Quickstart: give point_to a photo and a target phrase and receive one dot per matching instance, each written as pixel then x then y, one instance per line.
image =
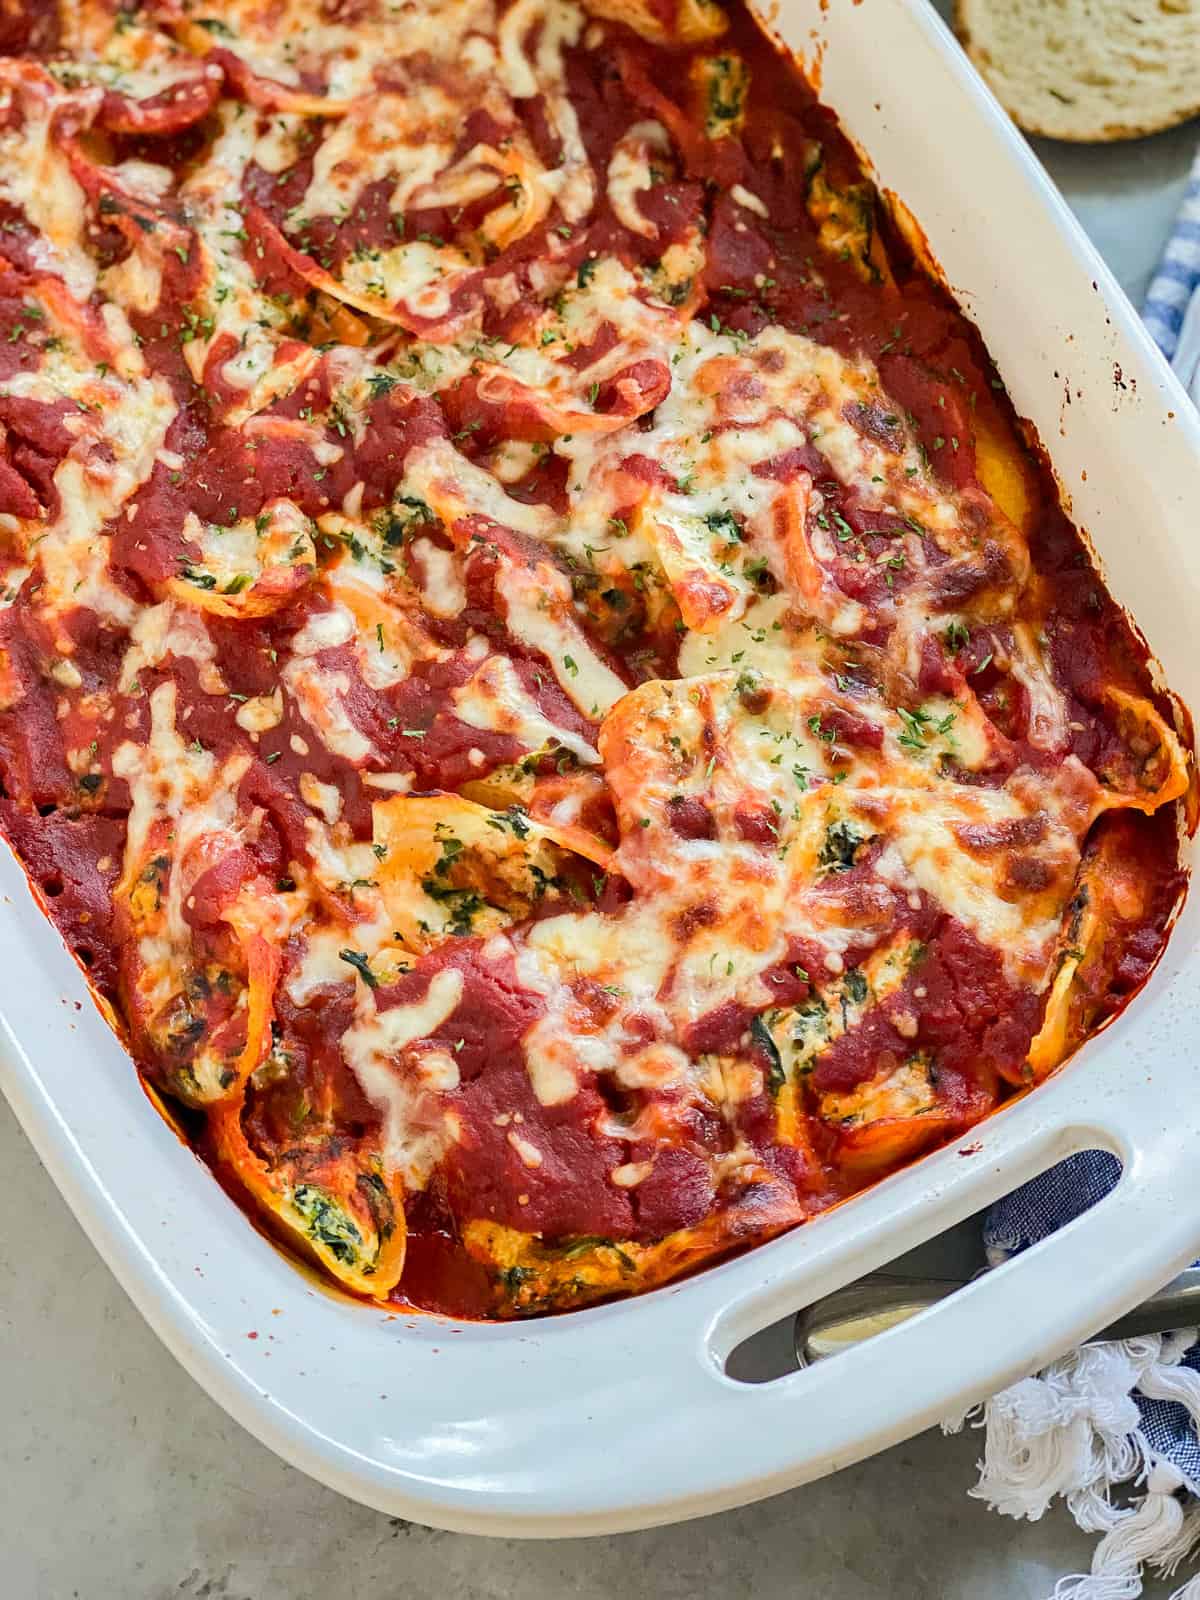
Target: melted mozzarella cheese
pixel 544 72
pixel 320 695
pixel 750 201
pixel 232 305
pixel 235 555
pixel 132 59
pixel 135 283
pixel 346 55
pixel 697 741
pixel 1047 705
pixel 166 630
pixel 121 429
pixel 537 610
pixel 765 638
pixel 260 713
pixel 419 275
pixel 173 782
pixel 1021 927
pixel 324 630
pixel 442 589
pixel 417 1130
pixel 402 139
pixel 455 487
pixel 36 177
pixel 494 698
pixel 630 172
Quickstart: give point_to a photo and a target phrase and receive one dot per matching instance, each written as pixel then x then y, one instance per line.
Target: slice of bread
pixel 1087 70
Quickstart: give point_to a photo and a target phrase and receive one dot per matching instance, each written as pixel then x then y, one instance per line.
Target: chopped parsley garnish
pixel 915 723
pixel 356 959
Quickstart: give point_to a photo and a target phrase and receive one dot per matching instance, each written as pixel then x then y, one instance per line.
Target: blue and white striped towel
pixel 1172 309
pixel 1050 1202
pixel 1112 1429
pixel 1111 1417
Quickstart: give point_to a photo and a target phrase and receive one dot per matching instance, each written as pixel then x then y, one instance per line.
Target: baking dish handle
pixel 721 1442
pixel 990 1333
pixel 996 1329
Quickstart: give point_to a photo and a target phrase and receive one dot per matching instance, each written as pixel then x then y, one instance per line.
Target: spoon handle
pixel 863 1309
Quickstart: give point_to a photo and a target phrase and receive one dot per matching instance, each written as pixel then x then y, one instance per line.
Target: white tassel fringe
pixel 1075 1431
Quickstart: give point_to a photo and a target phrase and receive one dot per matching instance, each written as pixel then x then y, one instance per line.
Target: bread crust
pixel 1085 132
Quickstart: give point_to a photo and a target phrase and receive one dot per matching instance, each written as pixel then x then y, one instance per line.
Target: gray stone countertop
pixel 121 1480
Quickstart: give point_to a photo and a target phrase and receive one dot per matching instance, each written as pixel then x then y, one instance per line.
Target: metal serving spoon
pixel 876 1303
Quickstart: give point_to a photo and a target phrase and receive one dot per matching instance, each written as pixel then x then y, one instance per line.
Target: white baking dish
pixel 621 1416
